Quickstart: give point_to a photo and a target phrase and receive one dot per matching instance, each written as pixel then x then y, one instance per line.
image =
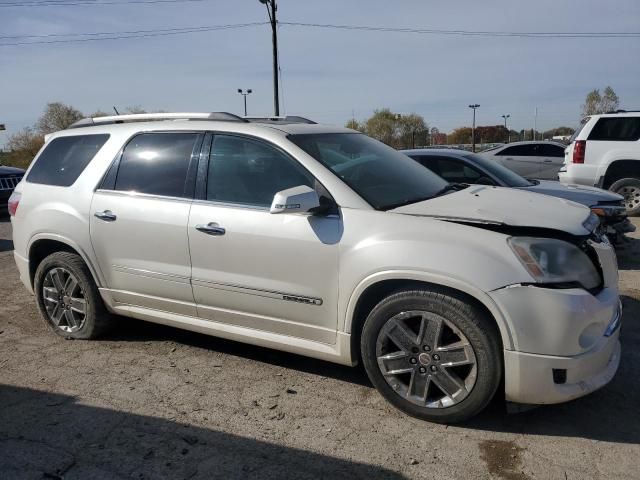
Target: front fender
pixel 433 278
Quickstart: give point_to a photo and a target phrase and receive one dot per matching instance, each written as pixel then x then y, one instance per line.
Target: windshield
pixel 508 177
pixel 382 176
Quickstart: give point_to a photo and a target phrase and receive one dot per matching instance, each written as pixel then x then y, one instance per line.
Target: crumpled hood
pixel 506 206
pixel 583 194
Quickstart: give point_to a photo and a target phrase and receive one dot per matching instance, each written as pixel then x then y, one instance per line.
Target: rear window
pixel 65 158
pixel 616 129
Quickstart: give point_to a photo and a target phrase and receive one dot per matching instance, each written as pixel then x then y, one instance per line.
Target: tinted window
pixel 457 171
pixel 617 129
pixel 156 163
pixel 382 176
pixel 502 173
pixel 520 151
pixel 551 150
pixel 64 159
pixel 250 172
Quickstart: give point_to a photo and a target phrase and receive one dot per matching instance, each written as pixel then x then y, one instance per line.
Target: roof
pixel 435 151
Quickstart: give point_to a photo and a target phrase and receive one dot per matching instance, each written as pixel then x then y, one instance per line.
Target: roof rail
pixel 148 117
pixel 274 119
pixel 623 111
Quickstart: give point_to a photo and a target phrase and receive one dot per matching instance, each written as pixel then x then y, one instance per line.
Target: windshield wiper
pixel 451 188
pixel 448 188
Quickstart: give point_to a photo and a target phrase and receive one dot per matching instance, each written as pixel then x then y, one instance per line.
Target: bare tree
pixel 23 146
pixel 57 116
pixel 596 103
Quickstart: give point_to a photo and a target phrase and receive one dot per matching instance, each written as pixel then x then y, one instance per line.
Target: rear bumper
pixel 23 268
pixel 581 174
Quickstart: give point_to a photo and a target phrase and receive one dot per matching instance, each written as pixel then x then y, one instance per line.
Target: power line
pixel 58 3
pixel 131 34
pixel 468 32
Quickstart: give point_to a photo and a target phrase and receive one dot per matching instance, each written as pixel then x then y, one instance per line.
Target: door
pixel 552 160
pixel 251 268
pixel 139 219
pixel 523 159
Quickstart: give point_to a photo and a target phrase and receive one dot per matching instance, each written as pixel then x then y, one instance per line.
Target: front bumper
pixel 566 342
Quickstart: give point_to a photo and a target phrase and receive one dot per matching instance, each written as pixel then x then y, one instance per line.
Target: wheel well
pixel 621 169
pixel 373 294
pixel 41 249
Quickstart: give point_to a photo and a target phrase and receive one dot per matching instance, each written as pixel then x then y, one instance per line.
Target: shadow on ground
pixel 609 414
pixel 44 435
pixel 628 253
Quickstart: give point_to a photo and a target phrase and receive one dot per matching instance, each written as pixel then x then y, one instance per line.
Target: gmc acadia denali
pixel 323 242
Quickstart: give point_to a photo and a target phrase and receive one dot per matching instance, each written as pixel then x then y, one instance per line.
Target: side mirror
pixel 300 199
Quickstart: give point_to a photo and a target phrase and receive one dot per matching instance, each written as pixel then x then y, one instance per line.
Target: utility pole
pixel 535 124
pixel 473 129
pixel 271 10
pixel 244 94
pixel 506 128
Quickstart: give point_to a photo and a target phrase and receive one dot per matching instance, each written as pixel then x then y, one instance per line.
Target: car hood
pixel 588 196
pixel 10 170
pixel 504 206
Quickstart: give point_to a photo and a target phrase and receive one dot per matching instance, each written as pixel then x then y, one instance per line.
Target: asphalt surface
pixel 155 402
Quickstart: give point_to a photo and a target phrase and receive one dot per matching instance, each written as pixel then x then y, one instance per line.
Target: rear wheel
pixel 68 298
pixel 629 188
pixel 432 355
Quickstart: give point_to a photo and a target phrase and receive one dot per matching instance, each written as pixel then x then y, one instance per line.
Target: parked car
pixel 324 242
pixel 605 152
pixel 459 166
pixel 9 178
pixel 542 160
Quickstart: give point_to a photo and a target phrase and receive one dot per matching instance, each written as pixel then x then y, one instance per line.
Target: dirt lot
pixel 155 402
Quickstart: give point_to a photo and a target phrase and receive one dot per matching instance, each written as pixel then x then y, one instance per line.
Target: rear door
pixel 522 159
pixel 139 221
pixel 552 160
pixel 271 272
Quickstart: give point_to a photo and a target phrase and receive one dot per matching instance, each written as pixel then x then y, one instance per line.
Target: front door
pixel 523 159
pixel 251 268
pixel 552 160
pixel 139 219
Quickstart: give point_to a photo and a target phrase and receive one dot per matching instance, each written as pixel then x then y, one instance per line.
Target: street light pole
pixel 473 129
pixel 506 128
pixel 244 94
pixel 271 10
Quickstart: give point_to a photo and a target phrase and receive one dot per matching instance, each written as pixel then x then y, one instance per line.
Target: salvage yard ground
pixel 155 402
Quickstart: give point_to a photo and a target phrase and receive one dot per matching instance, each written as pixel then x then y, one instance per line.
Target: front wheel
pixel 431 355
pixel 629 188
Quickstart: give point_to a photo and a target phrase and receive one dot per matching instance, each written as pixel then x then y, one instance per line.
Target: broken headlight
pixel 549 260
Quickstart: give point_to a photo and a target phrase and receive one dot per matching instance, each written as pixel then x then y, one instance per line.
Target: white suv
pixel 323 242
pixel 605 152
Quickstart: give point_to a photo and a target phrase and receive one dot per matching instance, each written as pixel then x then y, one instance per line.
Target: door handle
pixel 211 228
pixel 107 216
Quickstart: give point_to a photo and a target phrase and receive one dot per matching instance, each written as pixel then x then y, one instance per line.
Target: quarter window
pixel 250 172
pixel 65 158
pixel 156 164
pixel 550 150
pixel 616 129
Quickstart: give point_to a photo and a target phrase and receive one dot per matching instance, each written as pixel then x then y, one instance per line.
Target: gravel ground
pixel 155 402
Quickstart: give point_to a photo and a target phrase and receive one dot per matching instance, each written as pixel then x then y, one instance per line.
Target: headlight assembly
pixel 550 260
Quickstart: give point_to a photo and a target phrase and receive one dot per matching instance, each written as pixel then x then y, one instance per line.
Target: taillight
pixel 14 201
pixel 579 149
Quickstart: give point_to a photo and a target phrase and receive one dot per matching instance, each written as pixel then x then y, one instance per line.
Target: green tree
pixel 57 116
pixel 595 103
pixel 353 124
pixel 460 135
pixel 394 129
pixel 23 146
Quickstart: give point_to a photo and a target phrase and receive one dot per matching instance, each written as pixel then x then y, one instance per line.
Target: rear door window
pixel 156 164
pixel 65 158
pixel 616 129
pixel 550 150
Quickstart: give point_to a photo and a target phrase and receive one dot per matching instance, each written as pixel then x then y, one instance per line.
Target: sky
pixel 328 75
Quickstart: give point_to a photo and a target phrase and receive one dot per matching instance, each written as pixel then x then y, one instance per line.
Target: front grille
pixel 9 183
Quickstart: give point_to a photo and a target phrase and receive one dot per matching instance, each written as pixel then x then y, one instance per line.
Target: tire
pixel 414 363
pixel 77 306
pixel 629 188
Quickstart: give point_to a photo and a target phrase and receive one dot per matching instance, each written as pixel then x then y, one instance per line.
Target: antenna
pixel 116 110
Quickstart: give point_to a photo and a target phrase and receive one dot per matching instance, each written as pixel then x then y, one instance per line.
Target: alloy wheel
pixel 64 300
pixel 631 196
pixel 426 359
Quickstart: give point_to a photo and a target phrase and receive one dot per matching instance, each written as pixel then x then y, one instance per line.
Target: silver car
pixel 542 160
